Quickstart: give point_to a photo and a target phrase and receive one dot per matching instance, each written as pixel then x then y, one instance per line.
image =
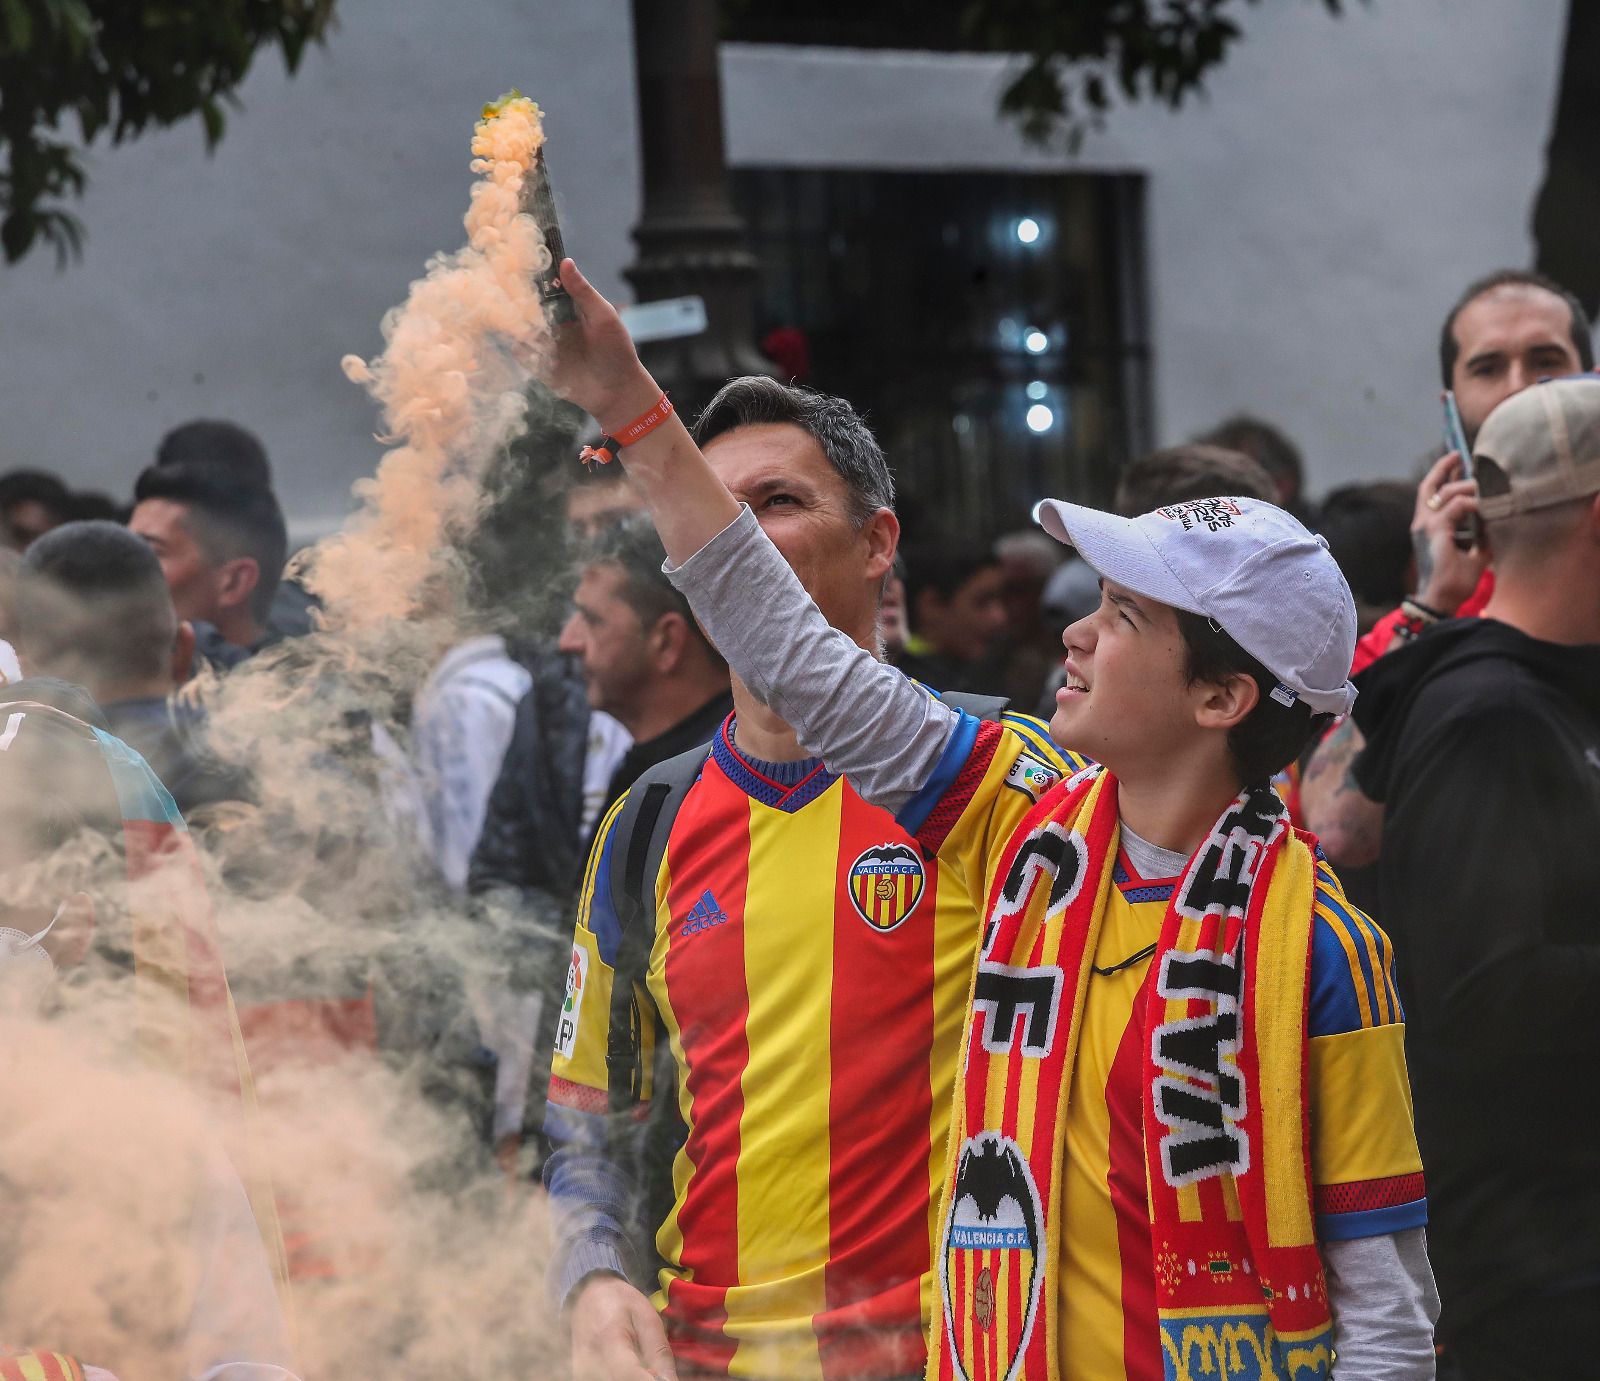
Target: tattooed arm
pixel 1343 817
pixel 1337 811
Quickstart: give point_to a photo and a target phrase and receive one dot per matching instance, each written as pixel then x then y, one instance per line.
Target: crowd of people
pixel 879 979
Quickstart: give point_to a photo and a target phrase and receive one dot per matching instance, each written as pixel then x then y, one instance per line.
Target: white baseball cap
pixel 1245 564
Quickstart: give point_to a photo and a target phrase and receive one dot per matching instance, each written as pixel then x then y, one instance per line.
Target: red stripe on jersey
pixel 1362 1196
pixel 942 819
pixel 1017 1293
pixel 1125 1177
pixel 579 1096
pixel 709 850
pixel 879 1107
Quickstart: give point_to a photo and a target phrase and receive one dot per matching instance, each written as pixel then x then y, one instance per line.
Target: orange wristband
pixel 643 426
pixel 605 450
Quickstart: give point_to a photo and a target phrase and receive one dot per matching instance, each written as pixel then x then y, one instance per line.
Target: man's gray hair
pixel 845 438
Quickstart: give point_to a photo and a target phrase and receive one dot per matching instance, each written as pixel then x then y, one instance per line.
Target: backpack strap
pixel 638 844
pixel 978 706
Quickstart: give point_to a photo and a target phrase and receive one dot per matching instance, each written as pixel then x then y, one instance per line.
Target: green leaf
pixel 78 24
pixel 215 122
pixel 19 25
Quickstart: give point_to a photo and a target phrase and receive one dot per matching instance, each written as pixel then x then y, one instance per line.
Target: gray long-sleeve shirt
pixel 871 724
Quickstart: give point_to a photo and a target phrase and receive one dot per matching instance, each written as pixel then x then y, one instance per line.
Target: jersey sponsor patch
pixel 990 1267
pixel 886 883
pixel 1031 776
pixel 572 1003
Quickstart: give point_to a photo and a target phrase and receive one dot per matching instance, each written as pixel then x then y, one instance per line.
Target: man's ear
pixel 668 642
pixel 182 652
pixel 882 536
pixel 1227 702
pixel 237 580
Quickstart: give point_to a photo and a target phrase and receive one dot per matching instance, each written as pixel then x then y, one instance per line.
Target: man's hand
pixel 1446 574
pixel 593 362
pixel 616 1334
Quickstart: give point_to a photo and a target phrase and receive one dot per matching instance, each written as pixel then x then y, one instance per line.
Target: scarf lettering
pixel 1006 998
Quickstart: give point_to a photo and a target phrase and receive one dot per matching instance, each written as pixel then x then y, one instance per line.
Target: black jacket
pixel 1484 745
pixel 530 838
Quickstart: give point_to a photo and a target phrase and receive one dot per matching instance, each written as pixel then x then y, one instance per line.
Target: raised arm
pixel 863 718
pixel 595 366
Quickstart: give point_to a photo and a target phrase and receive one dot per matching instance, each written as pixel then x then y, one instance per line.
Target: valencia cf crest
pixel 989 1265
pixel 886 884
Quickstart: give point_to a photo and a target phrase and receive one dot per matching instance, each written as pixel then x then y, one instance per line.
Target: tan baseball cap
pixel 1540 447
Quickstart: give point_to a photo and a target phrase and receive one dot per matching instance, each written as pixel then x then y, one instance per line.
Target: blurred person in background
pixel 1483 747
pixel 644 659
pixel 31 503
pixel 1031 647
pixel 92 506
pixel 237 459
pixel 1271 450
pixel 1368 527
pixel 180 1280
pixel 956 612
pixel 646 667
pixel 599 496
pixel 1505 331
pixel 222 550
pixel 92 607
pixel 230 452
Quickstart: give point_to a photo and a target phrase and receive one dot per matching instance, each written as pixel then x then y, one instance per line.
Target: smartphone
pixel 1470 533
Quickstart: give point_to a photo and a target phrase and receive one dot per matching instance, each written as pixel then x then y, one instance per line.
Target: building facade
pixel 1016 319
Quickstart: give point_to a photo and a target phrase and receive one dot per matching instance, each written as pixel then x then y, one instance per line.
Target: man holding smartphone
pixel 1484 745
pixel 1506 331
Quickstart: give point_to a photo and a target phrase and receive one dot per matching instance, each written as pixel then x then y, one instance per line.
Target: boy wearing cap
pixel 1183 1141
pixel 1484 744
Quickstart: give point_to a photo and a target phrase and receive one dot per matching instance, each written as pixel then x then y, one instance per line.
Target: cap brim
pixel 1117 549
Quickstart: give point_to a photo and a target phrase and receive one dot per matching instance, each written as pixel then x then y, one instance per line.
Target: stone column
pixel 690 238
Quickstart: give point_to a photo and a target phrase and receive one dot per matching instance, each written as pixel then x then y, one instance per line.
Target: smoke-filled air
pixel 175 1156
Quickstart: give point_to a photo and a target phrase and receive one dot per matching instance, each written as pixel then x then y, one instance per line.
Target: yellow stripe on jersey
pixel 1367 952
pixel 1280 968
pixel 788 946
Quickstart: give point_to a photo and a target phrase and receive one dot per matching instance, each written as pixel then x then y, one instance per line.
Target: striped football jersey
pixel 810 968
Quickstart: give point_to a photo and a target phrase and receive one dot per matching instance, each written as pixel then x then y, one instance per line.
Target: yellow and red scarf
pixel 1239 1285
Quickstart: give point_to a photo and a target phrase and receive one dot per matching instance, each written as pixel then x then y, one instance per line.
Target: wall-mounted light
pixel 1034 341
pixel 1028 230
pixel 1040 418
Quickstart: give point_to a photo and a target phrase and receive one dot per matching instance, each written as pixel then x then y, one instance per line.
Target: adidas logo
pixel 704 914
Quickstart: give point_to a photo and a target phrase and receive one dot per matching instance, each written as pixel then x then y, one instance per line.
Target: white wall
pixel 1310 221
pixel 230 286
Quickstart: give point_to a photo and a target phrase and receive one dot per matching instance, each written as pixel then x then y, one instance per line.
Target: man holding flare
pixel 1182 1127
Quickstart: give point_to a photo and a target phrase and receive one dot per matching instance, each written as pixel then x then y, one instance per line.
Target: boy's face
pixel 1127 702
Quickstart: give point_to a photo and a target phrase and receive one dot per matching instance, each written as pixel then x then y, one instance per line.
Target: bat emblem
pixel 885 885
pixel 990 1264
